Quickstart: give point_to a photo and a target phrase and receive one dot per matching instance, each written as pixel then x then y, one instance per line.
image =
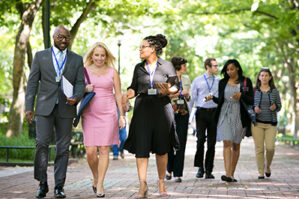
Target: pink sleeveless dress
pixel 99 118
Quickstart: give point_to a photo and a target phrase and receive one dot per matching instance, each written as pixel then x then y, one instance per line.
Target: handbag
pixel 247 107
pixel 84 102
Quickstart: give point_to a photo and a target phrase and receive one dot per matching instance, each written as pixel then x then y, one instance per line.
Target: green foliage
pixel 22 140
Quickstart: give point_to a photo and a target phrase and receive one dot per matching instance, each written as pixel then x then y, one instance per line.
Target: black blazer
pixel 247 96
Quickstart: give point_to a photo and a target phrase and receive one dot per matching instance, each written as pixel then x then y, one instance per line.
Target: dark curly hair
pixel 237 65
pixel 177 62
pixel 159 41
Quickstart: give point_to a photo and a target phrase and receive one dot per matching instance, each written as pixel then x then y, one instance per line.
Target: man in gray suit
pixel 54 112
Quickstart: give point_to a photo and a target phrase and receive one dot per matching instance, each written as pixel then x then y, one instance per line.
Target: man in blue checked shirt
pixel 203 86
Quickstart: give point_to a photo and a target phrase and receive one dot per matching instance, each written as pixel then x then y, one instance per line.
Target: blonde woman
pixel 99 119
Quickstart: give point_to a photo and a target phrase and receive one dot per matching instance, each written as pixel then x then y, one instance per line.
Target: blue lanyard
pixel 151 75
pixel 210 88
pixel 59 67
pixel 181 89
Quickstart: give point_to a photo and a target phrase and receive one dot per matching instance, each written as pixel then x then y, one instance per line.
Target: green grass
pixel 22 140
pixel 288 139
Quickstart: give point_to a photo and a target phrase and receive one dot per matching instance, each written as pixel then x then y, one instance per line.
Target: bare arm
pixel 117 88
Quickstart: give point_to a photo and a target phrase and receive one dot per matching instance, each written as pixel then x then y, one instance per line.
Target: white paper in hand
pixel 67 87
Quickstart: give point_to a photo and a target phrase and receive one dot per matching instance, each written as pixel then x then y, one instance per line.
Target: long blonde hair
pixel 110 59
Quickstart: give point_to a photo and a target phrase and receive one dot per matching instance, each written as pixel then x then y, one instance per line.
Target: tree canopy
pixel 259 33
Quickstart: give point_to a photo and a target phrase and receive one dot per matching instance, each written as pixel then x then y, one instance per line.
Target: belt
pixel 206 109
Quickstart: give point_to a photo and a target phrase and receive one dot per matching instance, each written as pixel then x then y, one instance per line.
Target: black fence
pixel 77 150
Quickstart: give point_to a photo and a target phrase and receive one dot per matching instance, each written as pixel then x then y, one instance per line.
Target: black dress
pixel 152 127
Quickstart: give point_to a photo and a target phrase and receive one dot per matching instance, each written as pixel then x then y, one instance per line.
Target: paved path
pixel 121 180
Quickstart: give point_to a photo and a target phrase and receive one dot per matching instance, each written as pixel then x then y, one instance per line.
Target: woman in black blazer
pixel 232 117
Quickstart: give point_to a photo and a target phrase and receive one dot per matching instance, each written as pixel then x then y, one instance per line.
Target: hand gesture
pixel 237 95
pixel 89 88
pixel 29 116
pixel 125 102
pixel 163 88
pixel 185 93
pixel 273 107
pixel 122 122
pixel 208 98
pixel 71 100
pixel 257 110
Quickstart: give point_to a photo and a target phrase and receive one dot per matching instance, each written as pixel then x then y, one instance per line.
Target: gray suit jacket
pixel 42 82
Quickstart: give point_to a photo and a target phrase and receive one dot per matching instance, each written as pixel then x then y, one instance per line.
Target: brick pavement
pixel 121 179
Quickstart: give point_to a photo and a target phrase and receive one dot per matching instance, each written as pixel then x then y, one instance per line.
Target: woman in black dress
pixel 152 128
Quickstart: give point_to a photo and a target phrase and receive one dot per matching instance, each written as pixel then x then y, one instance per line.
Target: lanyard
pixel 59 67
pixel 210 88
pixel 151 75
pixel 181 89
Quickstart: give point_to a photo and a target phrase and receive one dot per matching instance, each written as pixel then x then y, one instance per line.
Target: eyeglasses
pixel 61 37
pixel 143 47
pixel 215 65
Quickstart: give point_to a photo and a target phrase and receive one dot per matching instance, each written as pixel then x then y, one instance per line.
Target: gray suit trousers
pixel 45 127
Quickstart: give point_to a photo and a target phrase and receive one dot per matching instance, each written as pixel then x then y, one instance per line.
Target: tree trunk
pixel 29 54
pixel 17 107
pixel 291 66
pixel 89 8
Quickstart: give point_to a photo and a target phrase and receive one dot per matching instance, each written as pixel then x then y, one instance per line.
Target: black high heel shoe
pixel 101 195
pixel 168 177
pixel 225 178
pixel 268 174
pixel 94 189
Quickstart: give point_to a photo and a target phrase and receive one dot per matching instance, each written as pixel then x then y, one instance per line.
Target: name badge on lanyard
pixel 180 101
pixel 59 68
pixel 151 91
pixel 209 88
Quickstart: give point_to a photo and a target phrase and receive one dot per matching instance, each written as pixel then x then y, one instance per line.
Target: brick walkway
pixel 121 179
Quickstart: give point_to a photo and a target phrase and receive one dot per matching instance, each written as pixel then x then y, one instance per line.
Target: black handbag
pixel 84 102
pixel 248 108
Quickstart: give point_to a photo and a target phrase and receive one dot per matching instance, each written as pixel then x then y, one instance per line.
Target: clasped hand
pixel 121 122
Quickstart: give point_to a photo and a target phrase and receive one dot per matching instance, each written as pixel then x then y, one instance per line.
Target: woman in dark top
pixel 179 100
pixel 266 105
pixel 231 115
pixel 152 128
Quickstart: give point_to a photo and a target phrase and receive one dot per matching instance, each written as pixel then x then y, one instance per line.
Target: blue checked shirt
pixel 199 90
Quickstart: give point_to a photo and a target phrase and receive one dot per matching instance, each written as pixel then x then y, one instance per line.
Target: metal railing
pixel 7 148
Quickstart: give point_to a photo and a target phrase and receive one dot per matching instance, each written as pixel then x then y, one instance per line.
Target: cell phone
pixel 171 80
pixel 165 84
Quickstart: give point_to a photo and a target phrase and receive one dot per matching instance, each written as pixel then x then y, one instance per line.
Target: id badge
pixel 57 79
pixel 180 101
pixel 152 91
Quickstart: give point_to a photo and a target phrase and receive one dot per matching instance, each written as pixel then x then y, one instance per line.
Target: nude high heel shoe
pixel 143 190
pixel 163 194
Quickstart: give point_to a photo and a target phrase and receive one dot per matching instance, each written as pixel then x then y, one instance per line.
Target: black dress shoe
pixel 101 195
pixel 200 173
pixel 261 177
pixel 167 176
pixel 268 174
pixel 225 178
pixel 59 192
pixel 94 189
pixel 178 179
pixel 234 180
pixel 42 190
pixel 209 175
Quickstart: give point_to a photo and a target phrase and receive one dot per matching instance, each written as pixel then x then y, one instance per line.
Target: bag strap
pixel 86 75
pixel 244 85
